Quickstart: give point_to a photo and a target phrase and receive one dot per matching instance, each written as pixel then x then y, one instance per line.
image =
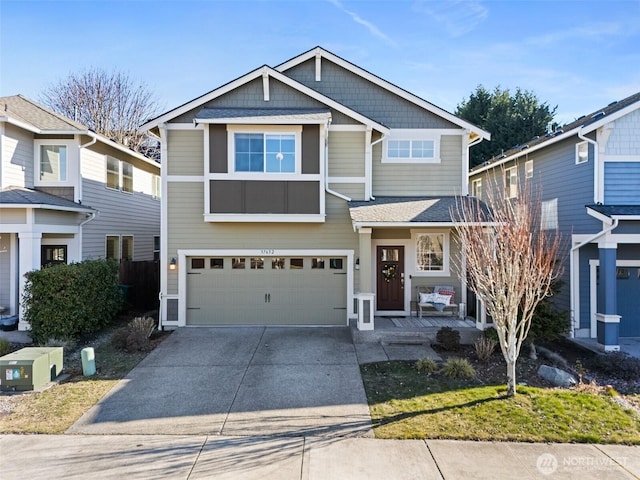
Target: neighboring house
pixel 589 175
pixel 68 194
pixel 292 192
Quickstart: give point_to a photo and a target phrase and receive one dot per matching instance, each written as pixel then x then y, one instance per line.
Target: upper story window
pixel 119 175
pixel 476 188
pixel 582 152
pixel 269 150
pixel 511 182
pixel 53 163
pixel 411 146
pixel 528 169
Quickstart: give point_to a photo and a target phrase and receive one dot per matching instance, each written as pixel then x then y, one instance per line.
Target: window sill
pixel 425 161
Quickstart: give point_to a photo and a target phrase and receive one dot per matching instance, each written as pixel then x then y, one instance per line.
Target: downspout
pixel 370 179
pixel 574 249
pixel 326 164
pixel 596 165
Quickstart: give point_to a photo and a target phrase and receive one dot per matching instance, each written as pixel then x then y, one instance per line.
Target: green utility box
pixel 30 368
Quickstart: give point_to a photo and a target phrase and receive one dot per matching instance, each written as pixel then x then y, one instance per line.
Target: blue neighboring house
pixel 589 174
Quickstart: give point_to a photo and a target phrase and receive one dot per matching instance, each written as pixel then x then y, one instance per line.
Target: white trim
pixel 206 208
pixel 23 125
pixel 612 117
pixel 278 120
pixel 318 66
pixel 265 84
pixel 164 213
pixel 578 159
pixel 252 76
pixel 368 165
pixel 464 181
pixel 42 206
pixel 264 218
pixel 347 128
pixel 183 126
pixel 384 84
pixel 73 159
pixel 39 228
pixel 446 254
pixel 358 225
pixel 182 255
pixel 411 135
pixel 185 178
pixel 593 290
pixel 355 180
pixel 621 158
pixel 528 169
pixel 264 177
pixel 512 186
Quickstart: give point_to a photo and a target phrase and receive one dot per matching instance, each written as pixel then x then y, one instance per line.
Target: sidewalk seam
pixel 195 462
pixel 597 447
pixel 434 459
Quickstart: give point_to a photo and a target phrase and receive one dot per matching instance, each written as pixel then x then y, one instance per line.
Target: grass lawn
pixel 405 404
pixel 54 410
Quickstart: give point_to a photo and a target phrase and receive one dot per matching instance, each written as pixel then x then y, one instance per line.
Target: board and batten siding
pixel 444 178
pixel 119 213
pixel 17 158
pixel 185 150
pixel 188 230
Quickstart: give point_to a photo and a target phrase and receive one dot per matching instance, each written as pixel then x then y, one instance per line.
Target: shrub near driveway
pixel 405 404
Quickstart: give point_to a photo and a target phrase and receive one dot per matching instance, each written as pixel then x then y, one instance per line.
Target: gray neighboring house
pixel 68 194
pixel 589 175
pixel 308 193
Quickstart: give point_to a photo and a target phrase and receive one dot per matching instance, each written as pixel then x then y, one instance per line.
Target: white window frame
pixel 445 271
pixel 156 187
pixel 412 135
pixel 528 169
pixel 476 188
pixel 121 166
pixel 71 161
pixel 120 246
pixel 585 158
pixel 106 249
pixel 549 214
pixel 133 247
pixel 295 130
pixel 511 187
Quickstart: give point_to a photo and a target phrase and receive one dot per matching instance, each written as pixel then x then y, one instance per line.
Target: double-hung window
pixel 412 146
pixel 276 151
pixel 119 247
pixel 511 182
pixel 119 175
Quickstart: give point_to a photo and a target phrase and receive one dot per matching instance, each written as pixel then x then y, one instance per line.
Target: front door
pixel 390 278
pixel 628 293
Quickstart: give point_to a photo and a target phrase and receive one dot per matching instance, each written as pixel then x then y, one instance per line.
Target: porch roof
pixel 20 197
pixel 623 212
pixel 390 211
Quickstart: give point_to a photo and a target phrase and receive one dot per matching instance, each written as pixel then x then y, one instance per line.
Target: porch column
pixel 29 244
pixel 608 322
pixel 366 296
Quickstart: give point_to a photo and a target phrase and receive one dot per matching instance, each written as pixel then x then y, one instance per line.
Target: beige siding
pixel 188 230
pixel 186 151
pixel 346 154
pixel 355 191
pixel 52 217
pixel 17 158
pixel 444 178
pixel 119 213
pixel 13 215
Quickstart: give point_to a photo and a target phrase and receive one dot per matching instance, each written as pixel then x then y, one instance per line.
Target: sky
pixel 576 55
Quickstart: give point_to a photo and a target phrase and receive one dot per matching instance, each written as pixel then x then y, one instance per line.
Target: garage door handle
pixel 269 297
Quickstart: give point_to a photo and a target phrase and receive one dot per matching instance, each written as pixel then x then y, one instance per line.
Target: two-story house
pixel 68 194
pixel 588 177
pixel 293 193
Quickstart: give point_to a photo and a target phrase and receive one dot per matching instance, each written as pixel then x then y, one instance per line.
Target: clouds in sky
pixel 457 16
pixel 373 30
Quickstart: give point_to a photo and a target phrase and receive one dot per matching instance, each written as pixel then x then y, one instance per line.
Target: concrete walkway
pixel 239 381
pixel 42 457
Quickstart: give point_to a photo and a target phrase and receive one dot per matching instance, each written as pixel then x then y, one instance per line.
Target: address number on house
pixel 267 251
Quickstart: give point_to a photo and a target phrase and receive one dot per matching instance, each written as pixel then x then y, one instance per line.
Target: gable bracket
pixel 265 84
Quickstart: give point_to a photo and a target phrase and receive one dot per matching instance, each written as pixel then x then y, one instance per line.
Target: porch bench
pixel 432 300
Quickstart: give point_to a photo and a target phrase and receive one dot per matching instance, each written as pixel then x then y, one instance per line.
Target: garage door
pixel 266 291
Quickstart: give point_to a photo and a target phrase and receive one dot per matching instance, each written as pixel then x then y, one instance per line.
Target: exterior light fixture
pixel 173 264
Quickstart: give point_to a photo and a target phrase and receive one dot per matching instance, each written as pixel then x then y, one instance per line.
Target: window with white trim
pixel 53 164
pixel 119 247
pixel 156 187
pixel 411 146
pixel 432 250
pixel 119 175
pixel 476 188
pixel 549 214
pixel 528 169
pixel 582 152
pixel 267 150
pixel 511 182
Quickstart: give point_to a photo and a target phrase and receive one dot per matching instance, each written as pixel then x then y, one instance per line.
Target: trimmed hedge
pixel 67 301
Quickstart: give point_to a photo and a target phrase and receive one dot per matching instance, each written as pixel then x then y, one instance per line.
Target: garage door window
pixel 296 263
pixel 335 264
pixel 277 263
pixel 257 264
pixel 197 263
pixel 238 263
pixel 217 263
pixel 317 263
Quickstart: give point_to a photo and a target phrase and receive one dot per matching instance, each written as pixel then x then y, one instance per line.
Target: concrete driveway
pixel 239 381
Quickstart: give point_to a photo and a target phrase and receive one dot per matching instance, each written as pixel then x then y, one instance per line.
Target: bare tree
pixel 510 266
pixel 109 103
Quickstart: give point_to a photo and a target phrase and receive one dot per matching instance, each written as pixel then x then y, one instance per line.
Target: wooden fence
pixel 141 283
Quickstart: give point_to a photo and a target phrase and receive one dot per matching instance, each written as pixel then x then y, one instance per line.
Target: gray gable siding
pixel 365 97
pixel 251 95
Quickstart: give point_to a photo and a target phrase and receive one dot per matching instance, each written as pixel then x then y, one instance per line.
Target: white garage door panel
pixel 266 296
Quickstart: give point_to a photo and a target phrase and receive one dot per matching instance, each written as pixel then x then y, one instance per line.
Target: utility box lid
pixel 29 368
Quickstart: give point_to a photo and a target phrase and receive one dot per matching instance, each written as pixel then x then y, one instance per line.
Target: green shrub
pixel 492 334
pixel 427 365
pixel 135 336
pixel 484 348
pixel 448 338
pixel 67 301
pixel 4 346
pixel 458 368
